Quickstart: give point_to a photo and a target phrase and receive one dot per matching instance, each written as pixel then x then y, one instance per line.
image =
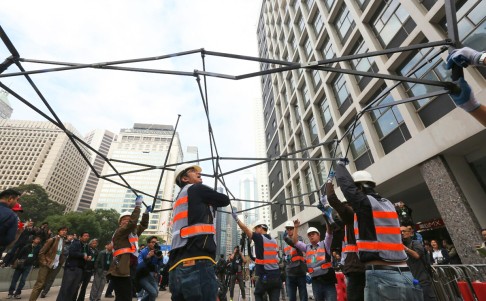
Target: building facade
pixel 427 153
pixel 145 144
pixel 5 108
pixel 101 141
pixel 37 152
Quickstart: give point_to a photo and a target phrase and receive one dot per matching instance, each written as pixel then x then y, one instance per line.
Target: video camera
pixel 157 250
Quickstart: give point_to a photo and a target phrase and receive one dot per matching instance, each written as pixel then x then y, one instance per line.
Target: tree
pixel 36 203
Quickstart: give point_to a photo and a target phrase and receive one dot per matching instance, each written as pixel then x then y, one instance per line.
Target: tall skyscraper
pixel 412 149
pixel 37 152
pixel 145 144
pixel 5 108
pixel 101 141
pixel 248 193
pixel 222 221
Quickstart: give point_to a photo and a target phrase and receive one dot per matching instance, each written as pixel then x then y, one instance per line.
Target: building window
pixel 362 4
pixel 366 64
pixel 328 4
pixel 279 176
pixel 313 131
pixel 429 109
pixel 305 154
pixel 341 93
pixel 282 208
pixel 316 77
pixel 317 24
pixel 334 151
pixel 327 51
pixel 306 96
pixel 392 24
pixel 344 23
pixel 388 123
pixel 299 193
pixel 309 4
pixel 321 172
pixel 359 146
pixel 310 185
pixel 326 114
pixel 300 22
pixel 308 48
pixel 297 114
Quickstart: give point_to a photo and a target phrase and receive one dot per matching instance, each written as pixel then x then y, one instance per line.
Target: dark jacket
pixel 202 201
pixel 103 261
pixel 352 264
pixel 30 254
pixel 8 225
pixel 120 266
pixel 76 255
pixel 89 266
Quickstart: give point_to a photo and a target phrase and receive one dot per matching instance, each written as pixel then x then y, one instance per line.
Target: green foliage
pixel 36 203
pixel 99 224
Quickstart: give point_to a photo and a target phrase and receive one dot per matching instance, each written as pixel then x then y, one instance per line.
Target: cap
pixel 312 229
pixel 262 224
pixel 289 224
pixel 18 208
pixel 123 215
pixel 363 176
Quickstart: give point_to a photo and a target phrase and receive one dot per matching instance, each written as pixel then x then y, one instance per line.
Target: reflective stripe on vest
pixel 388 242
pixel 270 254
pixel 317 260
pixel 181 231
pixel 295 257
pixel 133 239
pixel 347 247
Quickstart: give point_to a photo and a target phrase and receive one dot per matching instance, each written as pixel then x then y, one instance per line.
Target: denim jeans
pixel 293 283
pixel 324 291
pixel 355 286
pixel 22 274
pixel 149 284
pixel 194 283
pixel 391 285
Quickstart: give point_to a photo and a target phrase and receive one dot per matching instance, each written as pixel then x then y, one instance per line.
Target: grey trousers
pixel 71 280
pixel 98 285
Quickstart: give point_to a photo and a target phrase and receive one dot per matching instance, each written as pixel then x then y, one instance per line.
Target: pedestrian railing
pixel 459 282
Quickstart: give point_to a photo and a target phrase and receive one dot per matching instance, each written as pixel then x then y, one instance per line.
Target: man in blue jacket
pixel 149 260
pixel 8 219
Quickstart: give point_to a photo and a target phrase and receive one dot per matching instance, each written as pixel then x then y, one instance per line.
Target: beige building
pixel 37 152
pixel 427 153
pixel 145 144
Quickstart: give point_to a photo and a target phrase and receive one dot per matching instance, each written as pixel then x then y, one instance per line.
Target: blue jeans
pixel 293 283
pixel 391 285
pixel 22 274
pixel 149 284
pixel 324 291
pixel 194 283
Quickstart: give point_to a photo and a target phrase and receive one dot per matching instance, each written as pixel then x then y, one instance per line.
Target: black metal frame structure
pixel 217 173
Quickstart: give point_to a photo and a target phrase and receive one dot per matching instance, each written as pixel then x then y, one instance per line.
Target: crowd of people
pixel 381 256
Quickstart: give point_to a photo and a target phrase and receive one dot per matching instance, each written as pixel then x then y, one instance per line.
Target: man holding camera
pixel 148 275
pixel 237 262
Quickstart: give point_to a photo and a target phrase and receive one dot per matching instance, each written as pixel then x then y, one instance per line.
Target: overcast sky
pixel 99 31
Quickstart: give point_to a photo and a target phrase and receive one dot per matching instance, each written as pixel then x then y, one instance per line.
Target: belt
pixel 387 268
pixel 193 262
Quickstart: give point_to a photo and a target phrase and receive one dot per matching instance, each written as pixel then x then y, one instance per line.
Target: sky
pixel 102 31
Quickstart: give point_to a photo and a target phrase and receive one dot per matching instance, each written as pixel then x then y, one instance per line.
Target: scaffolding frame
pixel 217 173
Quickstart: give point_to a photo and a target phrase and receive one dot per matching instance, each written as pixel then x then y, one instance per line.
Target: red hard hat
pixel 18 208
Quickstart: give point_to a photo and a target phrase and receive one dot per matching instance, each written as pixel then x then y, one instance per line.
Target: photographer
pixel 221 268
pixel 149 260
pixel 237 261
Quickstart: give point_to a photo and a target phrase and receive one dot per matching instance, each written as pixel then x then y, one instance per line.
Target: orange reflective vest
pixel 181 231
pixel 347 247
pixel 133 239
pixel 294 257
pixel 270 254
pixel 387 239
pixel 317 259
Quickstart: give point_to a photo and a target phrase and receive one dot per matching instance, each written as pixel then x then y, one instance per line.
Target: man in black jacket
pixel 28 255
pixel 237 263
pixel 88 270
pixel 73 270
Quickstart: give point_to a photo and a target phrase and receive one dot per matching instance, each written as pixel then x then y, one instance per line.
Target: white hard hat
pixel 362 176
pixel 289 224
pixel 123 215
pixel 312 229
pixel 261 223
pixel 179 171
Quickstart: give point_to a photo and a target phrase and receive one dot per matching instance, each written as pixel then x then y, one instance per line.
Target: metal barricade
pixel 459 282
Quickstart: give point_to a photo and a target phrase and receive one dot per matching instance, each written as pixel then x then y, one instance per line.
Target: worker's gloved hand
pixel 465 99
pixel 463 57
pixel 343 161
pixel 324 201
pixel 331 176
pixel 234 214
pixel 329 189
pixel 148 209
pixel 138 201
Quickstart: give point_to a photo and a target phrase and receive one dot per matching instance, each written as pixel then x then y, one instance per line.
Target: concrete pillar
pixel 454 208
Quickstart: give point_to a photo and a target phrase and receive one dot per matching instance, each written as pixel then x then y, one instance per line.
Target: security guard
pixel 295 267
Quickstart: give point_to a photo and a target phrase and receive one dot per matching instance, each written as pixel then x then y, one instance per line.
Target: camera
pixel 157 250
